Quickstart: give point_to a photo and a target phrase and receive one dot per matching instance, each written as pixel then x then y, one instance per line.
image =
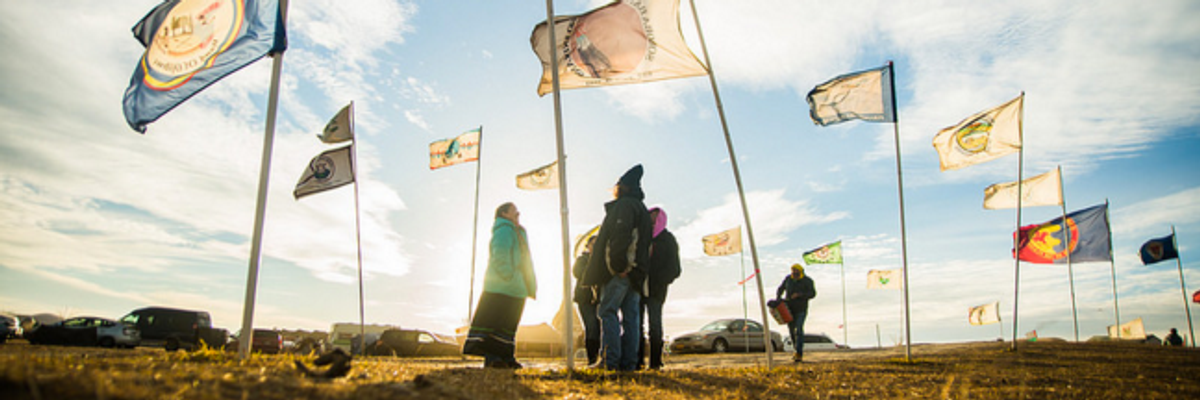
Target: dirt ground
pixel 1042 370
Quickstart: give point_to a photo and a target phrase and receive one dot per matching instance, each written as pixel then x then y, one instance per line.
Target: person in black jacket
pixel 663 269
pixel 799 289
pixel 618 267
pixel 586 299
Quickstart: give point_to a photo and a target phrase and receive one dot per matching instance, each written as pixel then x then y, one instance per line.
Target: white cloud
pixel 1153 217
pixel 414 117
pixel 773 216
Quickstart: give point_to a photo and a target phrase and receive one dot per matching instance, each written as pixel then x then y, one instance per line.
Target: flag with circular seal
pixel 827 254
pixel 982 137
pixel 191 44
pixel 1160 249
pixel 544 177
pixel 329 170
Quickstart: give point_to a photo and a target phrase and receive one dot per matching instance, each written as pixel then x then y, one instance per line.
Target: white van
pixel 342 334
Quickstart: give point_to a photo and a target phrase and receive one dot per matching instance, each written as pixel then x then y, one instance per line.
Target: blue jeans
pixel 620 337
pixel 796 329
pixel 654 308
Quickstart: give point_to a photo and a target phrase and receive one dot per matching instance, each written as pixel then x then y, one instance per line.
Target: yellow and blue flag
pixel 190 44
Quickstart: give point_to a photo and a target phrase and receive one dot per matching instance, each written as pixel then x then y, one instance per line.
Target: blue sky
pixel 99 220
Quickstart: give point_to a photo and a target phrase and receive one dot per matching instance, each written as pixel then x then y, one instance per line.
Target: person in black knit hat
pixel 617 266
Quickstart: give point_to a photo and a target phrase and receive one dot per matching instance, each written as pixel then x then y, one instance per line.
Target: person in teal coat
pixel 509 280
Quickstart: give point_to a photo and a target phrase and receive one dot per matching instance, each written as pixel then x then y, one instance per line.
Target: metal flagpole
pixel 845 324
pixel 562 188
pixel 1017 237
pixel 475 229
pixel 362 321
pixel 260 207
pixel 745 308
pixel 1113 263
pixel 1183 288
pixel 737 176
pixel 1067 238
pixel 903 229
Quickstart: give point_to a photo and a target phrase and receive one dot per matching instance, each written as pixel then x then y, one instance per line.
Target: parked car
pixel 265 341
pixel 814 342
pixel 413 343
pixel 10 327
pixel 87 331
pixel 175 329
pixel 725 335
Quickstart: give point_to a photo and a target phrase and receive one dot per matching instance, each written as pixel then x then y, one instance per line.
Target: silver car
pixel 725 335
pixel 814 342
pixel 10 326
pixel 88 331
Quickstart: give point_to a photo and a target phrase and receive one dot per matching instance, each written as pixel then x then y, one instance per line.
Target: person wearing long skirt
pixel 509 280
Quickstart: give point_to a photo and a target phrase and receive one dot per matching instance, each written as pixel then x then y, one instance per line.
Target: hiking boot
pixel 797 357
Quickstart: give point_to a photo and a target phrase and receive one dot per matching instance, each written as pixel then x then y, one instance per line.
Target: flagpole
pixel 1017 237
pixel 903 229
pixel 745 308
pixel 737 176
pixel 475 229
pixel 562 187
pixel 845 324
pixel 1183 287
pixel 362 321
pixel 1113 264
pixel 260 207
pixel 1067 236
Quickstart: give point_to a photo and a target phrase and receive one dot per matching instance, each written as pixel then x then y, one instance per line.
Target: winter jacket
pixel 664 264
pixel 510 270
pixel 804 286
pixel 622 245
pixel 583 293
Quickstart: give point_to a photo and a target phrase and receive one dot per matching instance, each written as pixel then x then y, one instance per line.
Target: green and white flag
pixel 827 254
pixel 883 279
pixel 341 127
pixel 329 170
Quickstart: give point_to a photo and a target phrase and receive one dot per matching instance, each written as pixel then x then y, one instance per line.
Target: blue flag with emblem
pixel 1160 249
pixel 1085 236
pixel 190 44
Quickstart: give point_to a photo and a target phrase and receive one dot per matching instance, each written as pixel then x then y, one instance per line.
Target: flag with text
pixel 623 42
pixel 191 44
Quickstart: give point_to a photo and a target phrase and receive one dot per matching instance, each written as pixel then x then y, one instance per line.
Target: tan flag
pixel 329 170
pixel 341 127
pixel 544 177
pixel 884 279
pixel 982 137
pixel 724 243
pixel 464 148
pixel 1041 190
pixel 985 314
pixel 1129 330
pixel 631 41
pixel 865 95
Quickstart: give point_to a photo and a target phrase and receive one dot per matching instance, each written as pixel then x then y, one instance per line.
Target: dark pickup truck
pixel 175 329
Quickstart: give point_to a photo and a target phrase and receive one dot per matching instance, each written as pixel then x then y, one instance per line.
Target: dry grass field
pixel 1043 370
